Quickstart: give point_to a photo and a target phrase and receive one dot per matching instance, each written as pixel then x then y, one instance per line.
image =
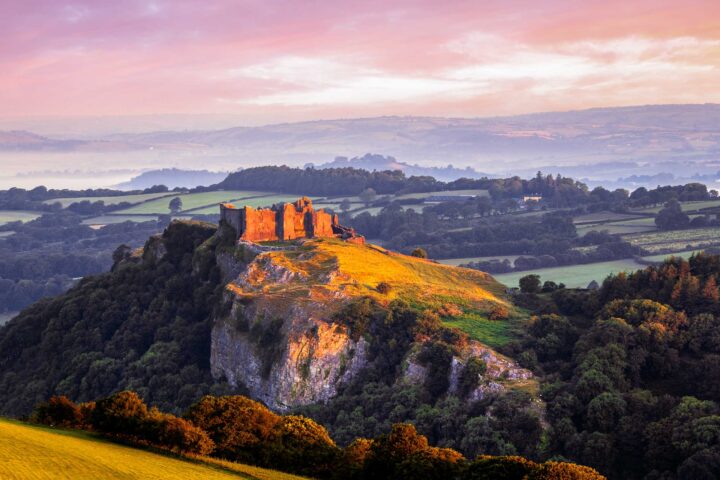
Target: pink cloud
pixel 269 60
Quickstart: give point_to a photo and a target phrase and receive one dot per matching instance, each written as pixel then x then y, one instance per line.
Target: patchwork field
pixel 8 216
pixel 142 197
pixel 461 261
pixel 192 201
pixel 659 258
pixel 579 276
pixel 603 217
pixel 575 276
pixel 110 219
pixel 686 206
pixel 34 452
pixel 675 240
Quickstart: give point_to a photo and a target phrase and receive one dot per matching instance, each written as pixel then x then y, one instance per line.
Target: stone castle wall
pixel 286 221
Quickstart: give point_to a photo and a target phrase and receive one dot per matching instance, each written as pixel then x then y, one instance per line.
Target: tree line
pixel 238 429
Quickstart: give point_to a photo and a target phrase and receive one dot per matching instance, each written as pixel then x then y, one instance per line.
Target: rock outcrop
pixel 279 335
pixel 283 346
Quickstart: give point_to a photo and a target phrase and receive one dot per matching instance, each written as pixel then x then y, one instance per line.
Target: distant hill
pixel 595 144
pixel 372 162
pixel 27 141
pixel 172 178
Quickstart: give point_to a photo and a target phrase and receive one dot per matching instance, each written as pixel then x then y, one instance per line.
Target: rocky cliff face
pixel 283 346
pixel 279 336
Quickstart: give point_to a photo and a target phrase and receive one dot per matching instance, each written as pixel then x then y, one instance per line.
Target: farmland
pixel 8 216
pixel 674 240
pixel 30 451
pixel 461 261
pixel 579 276
pixel 110 219
pixel 685 206
pixel 575 276
pixel 190 201
pixel 114 200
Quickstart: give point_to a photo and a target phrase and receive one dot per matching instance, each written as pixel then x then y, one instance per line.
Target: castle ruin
pixel 285 221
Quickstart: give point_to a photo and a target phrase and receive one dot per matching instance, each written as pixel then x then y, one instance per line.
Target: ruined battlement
pixel 285 221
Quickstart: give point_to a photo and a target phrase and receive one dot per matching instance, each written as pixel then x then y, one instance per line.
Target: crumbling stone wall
pixel 286 221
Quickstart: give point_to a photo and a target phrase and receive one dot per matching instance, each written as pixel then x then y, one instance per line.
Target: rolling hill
pixel 35 452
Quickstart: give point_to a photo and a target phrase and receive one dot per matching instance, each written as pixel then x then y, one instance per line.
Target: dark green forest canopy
pixel 144 326
pixel 631 371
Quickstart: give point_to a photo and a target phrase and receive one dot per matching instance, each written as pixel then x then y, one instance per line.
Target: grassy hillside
pixel 319 269
pixel 34 452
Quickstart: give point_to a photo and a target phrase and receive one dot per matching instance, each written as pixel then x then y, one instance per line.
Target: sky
pixel 275 61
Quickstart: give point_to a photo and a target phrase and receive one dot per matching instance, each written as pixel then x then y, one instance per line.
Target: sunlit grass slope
pixel 321 269
pixel 29 452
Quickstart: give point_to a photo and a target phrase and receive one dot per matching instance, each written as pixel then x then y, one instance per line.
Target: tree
pixel 176 434
pixel 345 205
pixel 240 427
pixel 672 217
pixel 123 413
pixel 419 253
pixel 175 205
pixel 368 196
pixel 303 446
pixel 530 284
pixel 58 412
pixel 564 471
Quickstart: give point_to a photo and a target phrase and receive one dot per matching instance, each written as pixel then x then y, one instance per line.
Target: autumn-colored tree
pixel 405 454
pixel 59 411
pixel 564 471
pixel 123 413
pixel 301 445
pixel 241 428
pixel 176 434
pixel 499 468
pixel 355 455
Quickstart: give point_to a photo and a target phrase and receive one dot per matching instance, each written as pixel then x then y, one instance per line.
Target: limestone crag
pixel 285 350
pixel 500 374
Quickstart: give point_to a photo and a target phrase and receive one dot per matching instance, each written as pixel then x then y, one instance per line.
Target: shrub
pixel 58 412
pixel 470 375
pixel 499 312
pixel 419 253
pixel 384 288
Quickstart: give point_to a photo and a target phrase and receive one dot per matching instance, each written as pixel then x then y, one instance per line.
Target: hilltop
pixel 293 324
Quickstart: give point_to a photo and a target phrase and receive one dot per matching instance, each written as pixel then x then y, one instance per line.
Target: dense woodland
pixel 620 367
pixel 630 371
pixel 144 326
